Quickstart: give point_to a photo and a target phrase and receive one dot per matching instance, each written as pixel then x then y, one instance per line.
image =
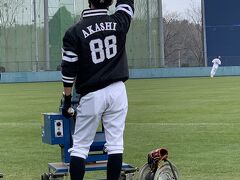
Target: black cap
pixel 101 4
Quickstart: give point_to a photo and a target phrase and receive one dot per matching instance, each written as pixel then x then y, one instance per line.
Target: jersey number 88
pixel 101 48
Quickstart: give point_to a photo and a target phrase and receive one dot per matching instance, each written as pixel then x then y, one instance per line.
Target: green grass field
pixel 197 119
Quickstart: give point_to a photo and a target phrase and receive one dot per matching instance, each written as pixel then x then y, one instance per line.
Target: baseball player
pixel 216 62
pixel 94 60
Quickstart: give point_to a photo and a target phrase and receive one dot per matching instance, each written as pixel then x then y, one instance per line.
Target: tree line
pixel 183 45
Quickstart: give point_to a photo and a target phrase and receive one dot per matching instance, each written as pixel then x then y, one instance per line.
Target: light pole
pixel 204 33
pixel 161 34
pixel 36 35
pixel 149 30
pixel 46 32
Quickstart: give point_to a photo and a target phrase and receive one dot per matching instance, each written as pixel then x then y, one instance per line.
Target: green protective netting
pixel 22 40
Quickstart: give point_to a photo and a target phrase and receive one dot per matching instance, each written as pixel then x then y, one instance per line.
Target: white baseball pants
pixel 110 105
pixel 213 71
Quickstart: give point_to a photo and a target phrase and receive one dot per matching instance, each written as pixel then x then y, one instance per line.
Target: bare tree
pixel 194 15
pixel 172 34
pixel 8 15
pixel 183 37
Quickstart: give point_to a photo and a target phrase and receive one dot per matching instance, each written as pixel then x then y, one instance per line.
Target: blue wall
pixel 44 76
pixel 222 20
pixel 49 76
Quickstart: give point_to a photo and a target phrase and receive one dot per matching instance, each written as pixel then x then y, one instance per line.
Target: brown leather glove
pixel 155 156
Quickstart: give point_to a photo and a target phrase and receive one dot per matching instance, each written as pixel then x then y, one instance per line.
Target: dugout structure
pixel 222 31
pixel 31 33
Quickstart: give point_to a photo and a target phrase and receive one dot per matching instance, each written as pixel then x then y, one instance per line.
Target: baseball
pixel 71 111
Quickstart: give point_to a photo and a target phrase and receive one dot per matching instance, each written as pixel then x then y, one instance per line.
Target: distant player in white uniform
pixel 216 62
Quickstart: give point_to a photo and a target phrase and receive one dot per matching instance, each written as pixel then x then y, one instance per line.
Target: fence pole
pixel 46 33
pixel 36 36
pixel 161 34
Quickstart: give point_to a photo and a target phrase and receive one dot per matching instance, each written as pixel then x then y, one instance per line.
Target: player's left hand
pixel 67 110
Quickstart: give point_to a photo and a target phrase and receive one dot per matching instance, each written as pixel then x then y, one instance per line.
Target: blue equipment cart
pixel 57 130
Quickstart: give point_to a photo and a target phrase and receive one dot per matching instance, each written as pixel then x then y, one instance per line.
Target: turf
pixel 197 119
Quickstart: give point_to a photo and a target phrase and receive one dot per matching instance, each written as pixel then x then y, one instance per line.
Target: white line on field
pixel 20 124
pixel 186 124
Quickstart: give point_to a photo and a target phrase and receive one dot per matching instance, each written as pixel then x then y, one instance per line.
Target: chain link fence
pixel 23 33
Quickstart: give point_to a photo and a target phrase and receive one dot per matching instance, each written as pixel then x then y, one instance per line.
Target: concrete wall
pixel 30 77
pixel 46 76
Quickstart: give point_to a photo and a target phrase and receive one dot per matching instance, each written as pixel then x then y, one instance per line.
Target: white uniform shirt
pixel 216 62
